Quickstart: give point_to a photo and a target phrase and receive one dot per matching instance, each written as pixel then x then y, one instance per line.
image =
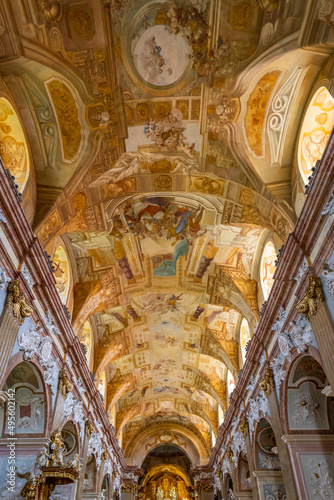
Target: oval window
pixel 315 131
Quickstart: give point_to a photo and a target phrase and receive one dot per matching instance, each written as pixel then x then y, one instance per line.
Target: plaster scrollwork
pixel 329 277
pixel 32 343
pixel 95 447
pixel 231 495
pixel 73 407
pixel 280 320
pixel 301 334
pixel 256 407
pixel 269 462
pixel 117 484
pixel 80 386
pixel 51 326
pixel 301 271
pixel 4 279
pixel 27 276
pixel 216 485
pixel 252 384
pixel 226 466
pixel 308 408
pixel 29 342
pixel 278 113
pixel 238 445
pixel 329 208
pixel 321 480
pixel 279 373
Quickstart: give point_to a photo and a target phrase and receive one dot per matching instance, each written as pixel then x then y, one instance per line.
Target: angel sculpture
pixel 43 458
pixel 75 463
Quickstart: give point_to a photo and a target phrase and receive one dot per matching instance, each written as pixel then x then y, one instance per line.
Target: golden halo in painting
pixel 161 57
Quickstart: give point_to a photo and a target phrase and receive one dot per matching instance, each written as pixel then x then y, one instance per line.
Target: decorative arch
pixel 13 144
pixel 24 382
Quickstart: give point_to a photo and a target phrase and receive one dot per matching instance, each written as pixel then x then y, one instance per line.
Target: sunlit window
pixel 268 268
pixel 230 383
pixel 86 339
pixel 13 146
pixel 61 273
pixel 317 125
pixel 102 383
pixel 244 337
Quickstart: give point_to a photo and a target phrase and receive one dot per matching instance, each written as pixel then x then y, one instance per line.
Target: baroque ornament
pixel 329 277
pixel 311 299
pixel 267 383
pixel 17 303
pixel 64 385
pixel 279 374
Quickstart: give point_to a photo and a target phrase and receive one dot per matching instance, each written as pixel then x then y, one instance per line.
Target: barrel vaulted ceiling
pixel 161 138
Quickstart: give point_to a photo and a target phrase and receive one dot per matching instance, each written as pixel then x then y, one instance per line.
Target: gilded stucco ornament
pixel 311 299
pixel 57 448
pixel 29 490
pixel 52 10
pixel 64 385
pixel 17 303
pixel 244 426
pixel 267 383
pixel 229 454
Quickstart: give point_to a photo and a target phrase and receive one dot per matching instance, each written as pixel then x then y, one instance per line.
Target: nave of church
pixel 166 249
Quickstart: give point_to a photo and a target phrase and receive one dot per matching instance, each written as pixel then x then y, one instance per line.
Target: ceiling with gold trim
pixel 156 145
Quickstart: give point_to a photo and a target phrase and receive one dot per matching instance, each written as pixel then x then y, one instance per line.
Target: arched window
pixel 230 383
pixel 61 273
pixel 244 337
pixel 102 383
pixel 13 145
pixel 317 125
pixel 86 339
pixel 268 268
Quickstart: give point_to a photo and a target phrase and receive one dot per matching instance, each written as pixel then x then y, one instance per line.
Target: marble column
pixel 245 430
pixel 89 429
pixel 64 388
pixel 13 315
pixel 267 385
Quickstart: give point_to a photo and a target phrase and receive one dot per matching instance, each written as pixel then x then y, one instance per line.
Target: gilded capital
pixel 267 383
pixel 17 303
pixel 244 426
pixel 104 456
pixel 229 454
pixel 312 298
pixel 64 385
pixel 89 428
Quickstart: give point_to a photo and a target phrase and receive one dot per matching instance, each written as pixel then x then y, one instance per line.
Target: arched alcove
pixel 25 385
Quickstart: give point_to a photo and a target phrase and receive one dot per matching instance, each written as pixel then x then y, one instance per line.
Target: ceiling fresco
pixel 162 143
